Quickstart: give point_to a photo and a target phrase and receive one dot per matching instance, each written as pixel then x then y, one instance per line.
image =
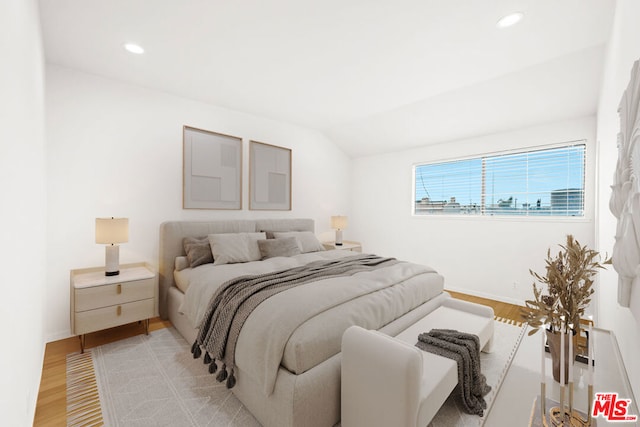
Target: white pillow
pixel 229 248
pixel 181 263
pixel 307 241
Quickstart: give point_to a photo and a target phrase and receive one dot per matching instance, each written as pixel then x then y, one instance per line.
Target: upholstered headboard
pixel 172 233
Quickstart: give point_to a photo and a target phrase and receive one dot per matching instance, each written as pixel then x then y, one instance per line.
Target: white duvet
pixel 301 327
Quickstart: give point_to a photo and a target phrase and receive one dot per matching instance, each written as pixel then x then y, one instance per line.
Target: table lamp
pixel 339 223
pixel 111 231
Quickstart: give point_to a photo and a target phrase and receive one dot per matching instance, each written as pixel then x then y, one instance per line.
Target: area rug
pixel 494 366
pixel 154 381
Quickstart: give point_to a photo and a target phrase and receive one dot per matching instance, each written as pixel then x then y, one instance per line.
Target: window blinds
pixel 543 182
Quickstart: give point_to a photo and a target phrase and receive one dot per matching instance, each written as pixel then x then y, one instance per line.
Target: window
pixel 544 182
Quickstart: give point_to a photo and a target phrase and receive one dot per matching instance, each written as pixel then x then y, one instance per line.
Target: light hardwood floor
pixel 51 408
pixel 500 309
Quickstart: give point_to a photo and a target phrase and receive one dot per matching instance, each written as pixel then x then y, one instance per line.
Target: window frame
pixel 587 185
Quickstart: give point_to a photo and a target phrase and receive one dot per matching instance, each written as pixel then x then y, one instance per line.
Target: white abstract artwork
pixel 212 170
pixel 270 177
pixel 625 197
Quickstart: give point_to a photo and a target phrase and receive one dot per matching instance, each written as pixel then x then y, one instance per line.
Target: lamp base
pixel 338 237
pixel 112 260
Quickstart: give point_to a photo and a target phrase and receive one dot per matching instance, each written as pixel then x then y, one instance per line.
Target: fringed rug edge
pixel 83 399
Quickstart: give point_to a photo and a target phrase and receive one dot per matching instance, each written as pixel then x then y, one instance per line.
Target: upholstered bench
pixel 387 381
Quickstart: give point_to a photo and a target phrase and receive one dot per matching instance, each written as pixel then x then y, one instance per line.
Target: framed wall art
pixel 269 177
pixel 212 170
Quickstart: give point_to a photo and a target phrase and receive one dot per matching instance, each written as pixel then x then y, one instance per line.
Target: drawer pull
pixel 119 288
pixel 119 310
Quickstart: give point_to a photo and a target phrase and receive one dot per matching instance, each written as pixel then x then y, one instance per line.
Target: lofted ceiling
pixel 373 75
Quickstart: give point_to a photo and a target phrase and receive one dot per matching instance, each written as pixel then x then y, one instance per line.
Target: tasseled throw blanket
pixel 465 350
pixel 234 301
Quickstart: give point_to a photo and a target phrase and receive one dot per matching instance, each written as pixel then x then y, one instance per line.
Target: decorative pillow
pixel 306 239
pixel 229 248
pixel 268 233
pixel 286 246
pixel 181 263
pixel 198 251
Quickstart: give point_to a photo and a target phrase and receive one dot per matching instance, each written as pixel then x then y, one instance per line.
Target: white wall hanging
pixel 625 198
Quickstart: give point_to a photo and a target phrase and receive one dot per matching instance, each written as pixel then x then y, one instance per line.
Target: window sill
pixel 506 218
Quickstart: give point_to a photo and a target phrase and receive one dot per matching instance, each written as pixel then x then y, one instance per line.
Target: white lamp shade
pixel 112 230
pixel 339 222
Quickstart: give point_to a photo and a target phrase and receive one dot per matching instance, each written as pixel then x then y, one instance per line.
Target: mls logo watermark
pixel 609 406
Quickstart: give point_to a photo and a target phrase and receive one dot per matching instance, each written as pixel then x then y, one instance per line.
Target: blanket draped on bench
pixel 234 301
pixel 465 350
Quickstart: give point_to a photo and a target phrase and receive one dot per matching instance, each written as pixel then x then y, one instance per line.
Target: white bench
pixel 387 381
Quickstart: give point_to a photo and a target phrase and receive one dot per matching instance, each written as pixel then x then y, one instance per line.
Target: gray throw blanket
pixel 465 350
pixel 234 301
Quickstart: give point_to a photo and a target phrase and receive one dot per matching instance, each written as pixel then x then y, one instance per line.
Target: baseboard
pixel 57 336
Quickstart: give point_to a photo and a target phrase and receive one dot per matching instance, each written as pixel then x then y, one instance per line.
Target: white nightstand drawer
pixel 107 317
pixel 117 293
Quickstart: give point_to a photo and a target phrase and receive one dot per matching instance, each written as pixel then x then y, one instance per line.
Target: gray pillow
pixel 287 246
pixel 198 250
pixel 308 241
pixel 269 234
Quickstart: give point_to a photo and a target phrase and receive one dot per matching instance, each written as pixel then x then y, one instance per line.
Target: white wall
pixel 622 51
pixel 116 150
pixel 23 209
pixel 481 256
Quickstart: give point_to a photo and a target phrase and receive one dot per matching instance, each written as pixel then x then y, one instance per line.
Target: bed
pixel 302 386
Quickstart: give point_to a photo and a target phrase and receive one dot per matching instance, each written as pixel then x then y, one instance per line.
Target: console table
pixel 521 385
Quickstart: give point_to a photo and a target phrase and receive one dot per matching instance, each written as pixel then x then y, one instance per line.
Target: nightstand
pixel 346 246
pixel 100 302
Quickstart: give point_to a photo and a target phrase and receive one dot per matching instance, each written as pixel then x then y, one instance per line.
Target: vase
pixel 553 340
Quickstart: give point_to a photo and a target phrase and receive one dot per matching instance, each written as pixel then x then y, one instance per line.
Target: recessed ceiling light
pixel 510 19
pixel 134 48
